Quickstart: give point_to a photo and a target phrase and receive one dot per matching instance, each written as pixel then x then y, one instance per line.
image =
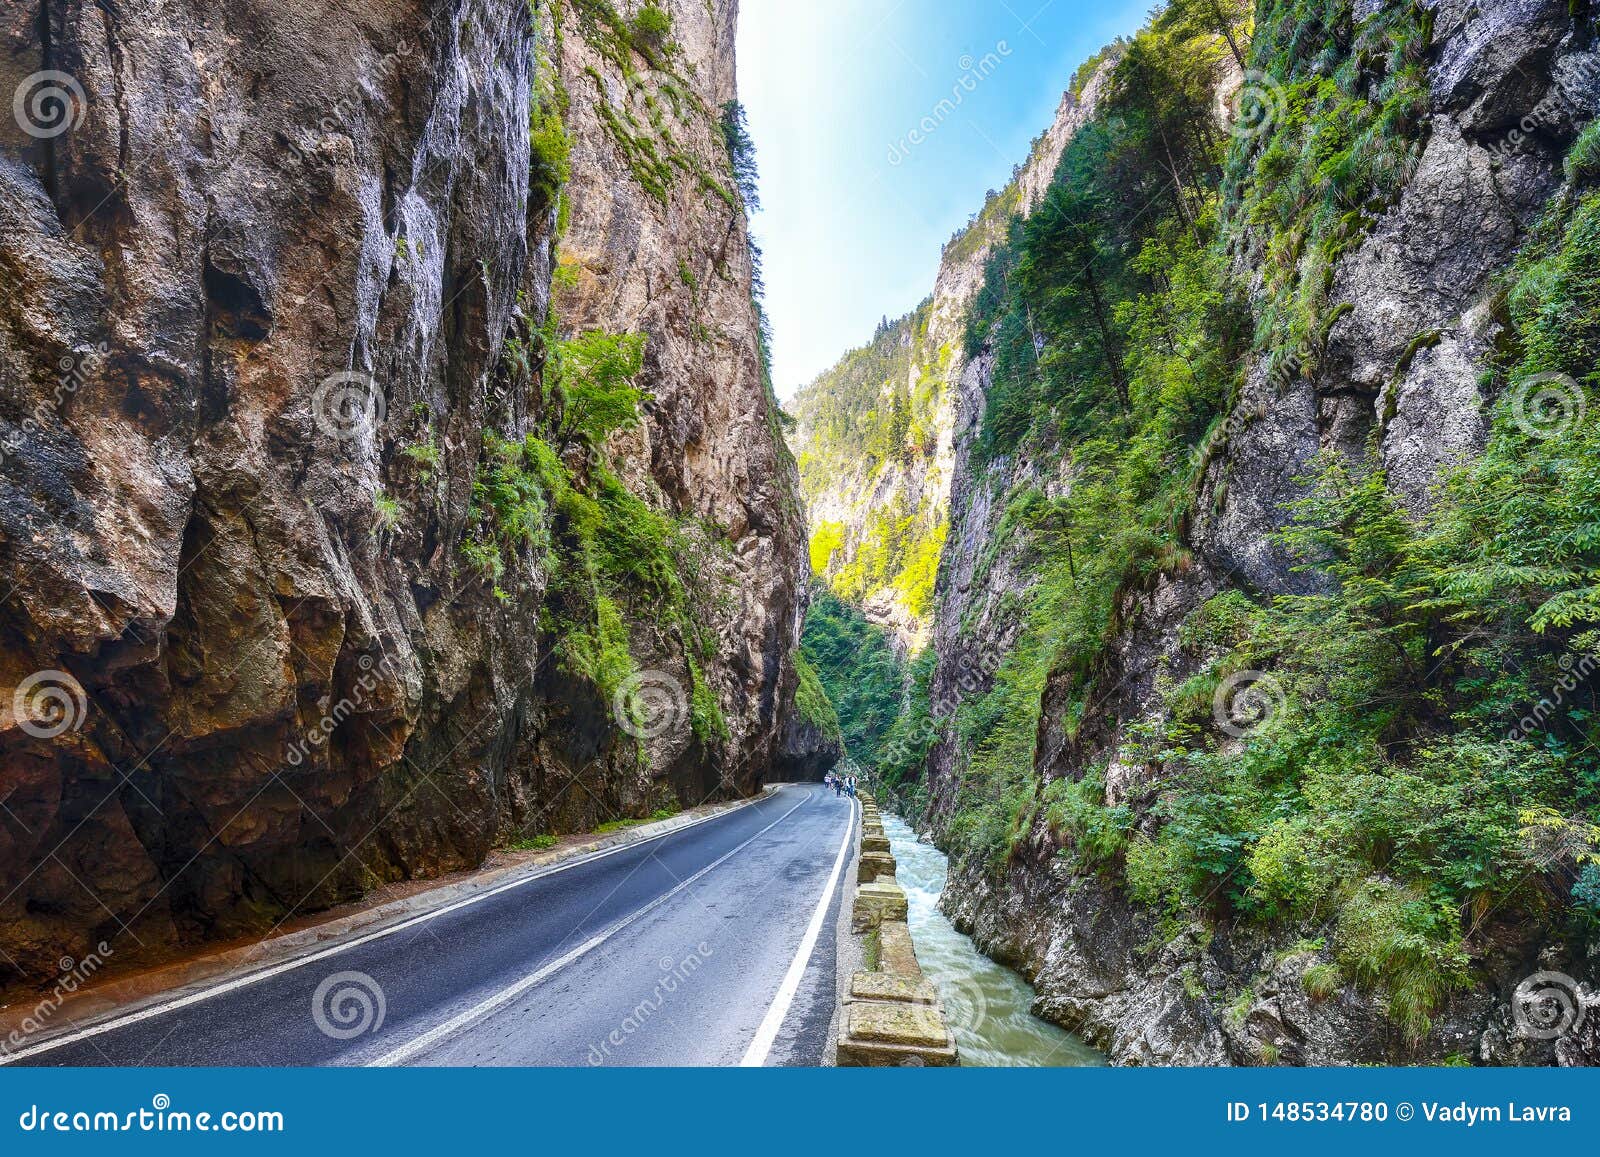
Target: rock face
pixel 887 508
pixel 270 274
pixel 1402 368
pixel 806 751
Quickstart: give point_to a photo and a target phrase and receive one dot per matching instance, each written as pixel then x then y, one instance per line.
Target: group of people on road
pixel 842 785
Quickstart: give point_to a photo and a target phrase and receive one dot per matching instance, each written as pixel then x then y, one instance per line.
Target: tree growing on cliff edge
pixel 741 154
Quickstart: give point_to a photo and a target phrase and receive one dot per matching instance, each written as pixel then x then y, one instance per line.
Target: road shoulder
pixel 127 995
pixel 847 953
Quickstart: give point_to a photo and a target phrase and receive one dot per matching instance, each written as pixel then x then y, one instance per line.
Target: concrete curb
pixel 117 998
pixel 890 1014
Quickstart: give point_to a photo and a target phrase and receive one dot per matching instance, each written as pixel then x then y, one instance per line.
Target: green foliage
pixel 1347 99
pixel 386 510
pixel 987 227
pixel 1386 794
pixel 706 720
pixel 1077 813
pixel 594 375
pixel 609 557
pixel 617 38
pixel 534 844
pixel 1587 890
pixel 1321 981
pixel 665 813
pixel 1583 159
pixel 858 671
pixel 651 31
pixel 550 153
pixel 509 498
pixel 899 550
pixel 858 416
pixel 826 541
pixel 1408 943
pixel 426 455
pixel 903 753
pixel 811 698
pixel 599 652
pixel 741 154
pixel 873 415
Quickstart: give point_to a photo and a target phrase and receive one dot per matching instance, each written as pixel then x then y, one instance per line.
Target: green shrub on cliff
pixel 811 699
pixel 594 375
pixel 1425 706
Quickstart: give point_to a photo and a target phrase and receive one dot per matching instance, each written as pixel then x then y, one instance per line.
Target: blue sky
pixel 833 87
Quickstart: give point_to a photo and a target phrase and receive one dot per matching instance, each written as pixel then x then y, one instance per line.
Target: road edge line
pixel 115 1019
pixel 492 1004
pixel 761 1044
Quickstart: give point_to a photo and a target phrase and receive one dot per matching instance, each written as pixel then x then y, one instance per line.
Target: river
pixel 987 1004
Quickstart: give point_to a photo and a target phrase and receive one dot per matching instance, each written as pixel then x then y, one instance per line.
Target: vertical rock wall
pixel 261 262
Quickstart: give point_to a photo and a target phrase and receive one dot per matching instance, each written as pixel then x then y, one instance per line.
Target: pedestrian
pixel 850 786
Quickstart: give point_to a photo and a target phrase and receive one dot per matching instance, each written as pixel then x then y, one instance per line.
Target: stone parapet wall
pixel 890 1014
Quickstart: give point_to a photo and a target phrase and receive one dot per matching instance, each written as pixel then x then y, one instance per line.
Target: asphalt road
pixel 687 949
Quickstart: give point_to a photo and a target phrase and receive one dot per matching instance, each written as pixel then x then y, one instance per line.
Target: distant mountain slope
pixel 876 433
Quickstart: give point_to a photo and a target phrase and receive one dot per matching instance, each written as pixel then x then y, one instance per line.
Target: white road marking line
pixel 756 1055
pixel 506 995
pixel 301 961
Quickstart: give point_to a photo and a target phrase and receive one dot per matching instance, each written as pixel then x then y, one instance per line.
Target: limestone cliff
pixel 1407 321
pixel 877 434
pixel 309 559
